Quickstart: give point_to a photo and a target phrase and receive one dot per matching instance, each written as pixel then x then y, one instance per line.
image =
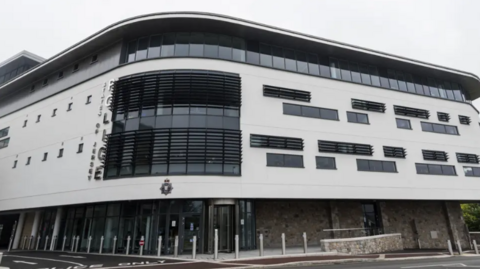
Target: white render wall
pixel 61 181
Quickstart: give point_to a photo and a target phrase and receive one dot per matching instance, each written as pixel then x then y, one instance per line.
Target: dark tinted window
pixel 182 44
pixel 435 169
pixel 292 109
pixel 376 166
pixel 196 44
pixel 325 162
pixel 284 160
pixel 357 117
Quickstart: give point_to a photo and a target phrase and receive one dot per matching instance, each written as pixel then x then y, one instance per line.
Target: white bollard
pixel 29 242
pixel 114 244
pixel 24 242
pixel 128 245
pixel 175 250
pixel 475 246
pixel 260 242
pixel 53 243
pixel 38 243
pixel 101 245
pixel 141 247
pixel 46 244
pixel 236 246
pixel 64 241
pixel 11 243
pixel 159 247
pixel 72 248
pixel 76 243
pixel 89 243
pixel 283 244
pixel 304 242
pixel 449 245
pixel 194 247
pixel 215 245
pixel 1 256
pixel 459 247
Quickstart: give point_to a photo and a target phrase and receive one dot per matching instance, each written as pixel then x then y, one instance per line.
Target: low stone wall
pixel 364 245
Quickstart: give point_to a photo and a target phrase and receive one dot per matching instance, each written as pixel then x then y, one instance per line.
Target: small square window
pixel 94 58
pixel 38 118
pixel 325 162
pixel 25 123
pixel 54 113
pixel 76 67
pixel 60 74
pixel 80 148
pixel 45 156
pixel 28 160
pixel 60 153
pixel 70 106
pixel 403 124
pixel 45 82
pixel 89 99
pixel 15 164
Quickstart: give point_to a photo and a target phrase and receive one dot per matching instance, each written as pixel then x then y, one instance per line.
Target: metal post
pixel 260 242
pixel 475 246
pixel 114 244
pixel 283 244
pixel 46 243
pixel 54 242
pixel 1 254
pixel 11 243
pixel 459 247
pixel 76 243
pixel 194 247
pixel 175 250
pixel 159 248
pixel 89 243
pixel 450 250
pixel 142 239
pixel 24 242
pixel 72 248
pixel 101 245
pixel 64 241
pixel 29 241
pixel 304 242
pixel 38 242
pixel 236 246
pixel 128 245
pixel 215 245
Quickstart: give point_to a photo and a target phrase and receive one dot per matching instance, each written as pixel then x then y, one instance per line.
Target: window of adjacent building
pixel 70 106
pixel 60 153
pixel 94 58
pixel 38 118
pixel 76 67
pixel 471 171
pixel 403 124
pixel 4 132
pixel 45 82
pixel 435 169
pixel 15 164
pixel 80 148
pixel 60 74
pixel 357 117
pixel 4 143
pixel 309 111
pixel 439 128
pixel 376 166
pixel 28 160
pixel 54 113
pixel 284 160
pixel 325 162
pixel 89 99
pixel 25 123
pixel 45 156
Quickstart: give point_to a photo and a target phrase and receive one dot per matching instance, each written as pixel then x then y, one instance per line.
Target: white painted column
pixel 36 223
pixel 56 227
pixel 19 230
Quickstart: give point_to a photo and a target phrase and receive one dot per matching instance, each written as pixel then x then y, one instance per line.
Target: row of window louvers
pixel 272 91
pixel 292 143
pixel 176 87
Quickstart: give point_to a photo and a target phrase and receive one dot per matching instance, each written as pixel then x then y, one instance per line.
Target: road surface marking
pixel 436 265
pixel 77 257
pixel 24 262
pixel 44 259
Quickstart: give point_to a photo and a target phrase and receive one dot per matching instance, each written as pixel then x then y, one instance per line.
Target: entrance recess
pixel 190 227
pixel 224 222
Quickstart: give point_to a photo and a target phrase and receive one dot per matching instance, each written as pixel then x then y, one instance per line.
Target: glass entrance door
pixel 190 227
pixel 223 221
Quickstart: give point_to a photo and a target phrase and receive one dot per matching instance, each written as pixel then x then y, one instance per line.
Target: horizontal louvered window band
pixel 284 93
pixel 279 142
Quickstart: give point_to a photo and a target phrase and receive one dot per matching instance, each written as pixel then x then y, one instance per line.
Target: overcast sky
pixel 444 32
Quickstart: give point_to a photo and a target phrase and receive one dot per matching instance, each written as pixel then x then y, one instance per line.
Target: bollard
pixel 46 243
pixel 260 242
pixel 53 243
pixel 89 243
pixel 29 241
pixel 114 244
pixel 24 242
pixel 10 244
pixel 1 255
pixel 101 245
pixel 73 244
pixel 194 247
pixel 38 243
pixel 159 248
pixel 450 250
pixel 283 244
pixel 236 246
pixel 304 242
pixel 175 250
pixel 475 246
pixel 459 247
pixel 64 241
pixel 141 247
pixel 76 243
pixel 215 245
pixel 128 245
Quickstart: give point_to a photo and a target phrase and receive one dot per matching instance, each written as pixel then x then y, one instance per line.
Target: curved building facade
pixel 180 124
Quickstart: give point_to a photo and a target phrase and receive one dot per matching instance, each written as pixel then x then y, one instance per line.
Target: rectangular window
pixel 45 156
pixel 439 128
pixel 464 119
pixel 25 123
pixel 435 169
pixel 443 116
pixel 70 106
pixel 89 99
pixel 80 148
pixel 38 118
pixel 4 132
pixel 4 143
pixel 154 47
pixel 411 112
pixel 265 55
pixel 279 142
pixel 376 166
pixel 325 162
pixel 28 160
pixel 357 117
pixel 54 113
pixel 467 158
pixel 76 67
pixel 471 171
pixel 60 74
pixel 368 105
pixel 60 153
pixel 311 112
pixel 434 155
pixel 403 124
pixel 272 91
pixel 94 59
pixel 168 45
pixel 394 152
pixel 15 164
pixel 346 148
pixel 284 160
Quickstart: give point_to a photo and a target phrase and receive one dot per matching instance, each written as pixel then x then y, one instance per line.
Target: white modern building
pixel 176 124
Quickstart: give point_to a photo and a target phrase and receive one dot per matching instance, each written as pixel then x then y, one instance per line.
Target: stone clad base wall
pixel 364 245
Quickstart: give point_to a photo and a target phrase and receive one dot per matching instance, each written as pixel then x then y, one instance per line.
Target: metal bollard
pixel 24 242
pixel 76 243
pixel 29 241
pixel 64 241
pixel 128 245
pixel 475 246
pixel 141 247
pixel 1 255
pixel 38 242
pixel 159 247
pixel 89 243
pixel 46 244
pixel 10 244
pixel 304 242
pixel 260 242
pixel 53 243
pixel 283 244
pixel 194 247
pixel 215 245
pixel 114 244
pixel 72 248
pixel 459 247
pixel 175 249
pixel 449 245
pixel 101 245
pixel 236 246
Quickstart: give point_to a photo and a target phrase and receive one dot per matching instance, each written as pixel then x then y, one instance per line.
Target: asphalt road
pixel 442 263
pixel 63 260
